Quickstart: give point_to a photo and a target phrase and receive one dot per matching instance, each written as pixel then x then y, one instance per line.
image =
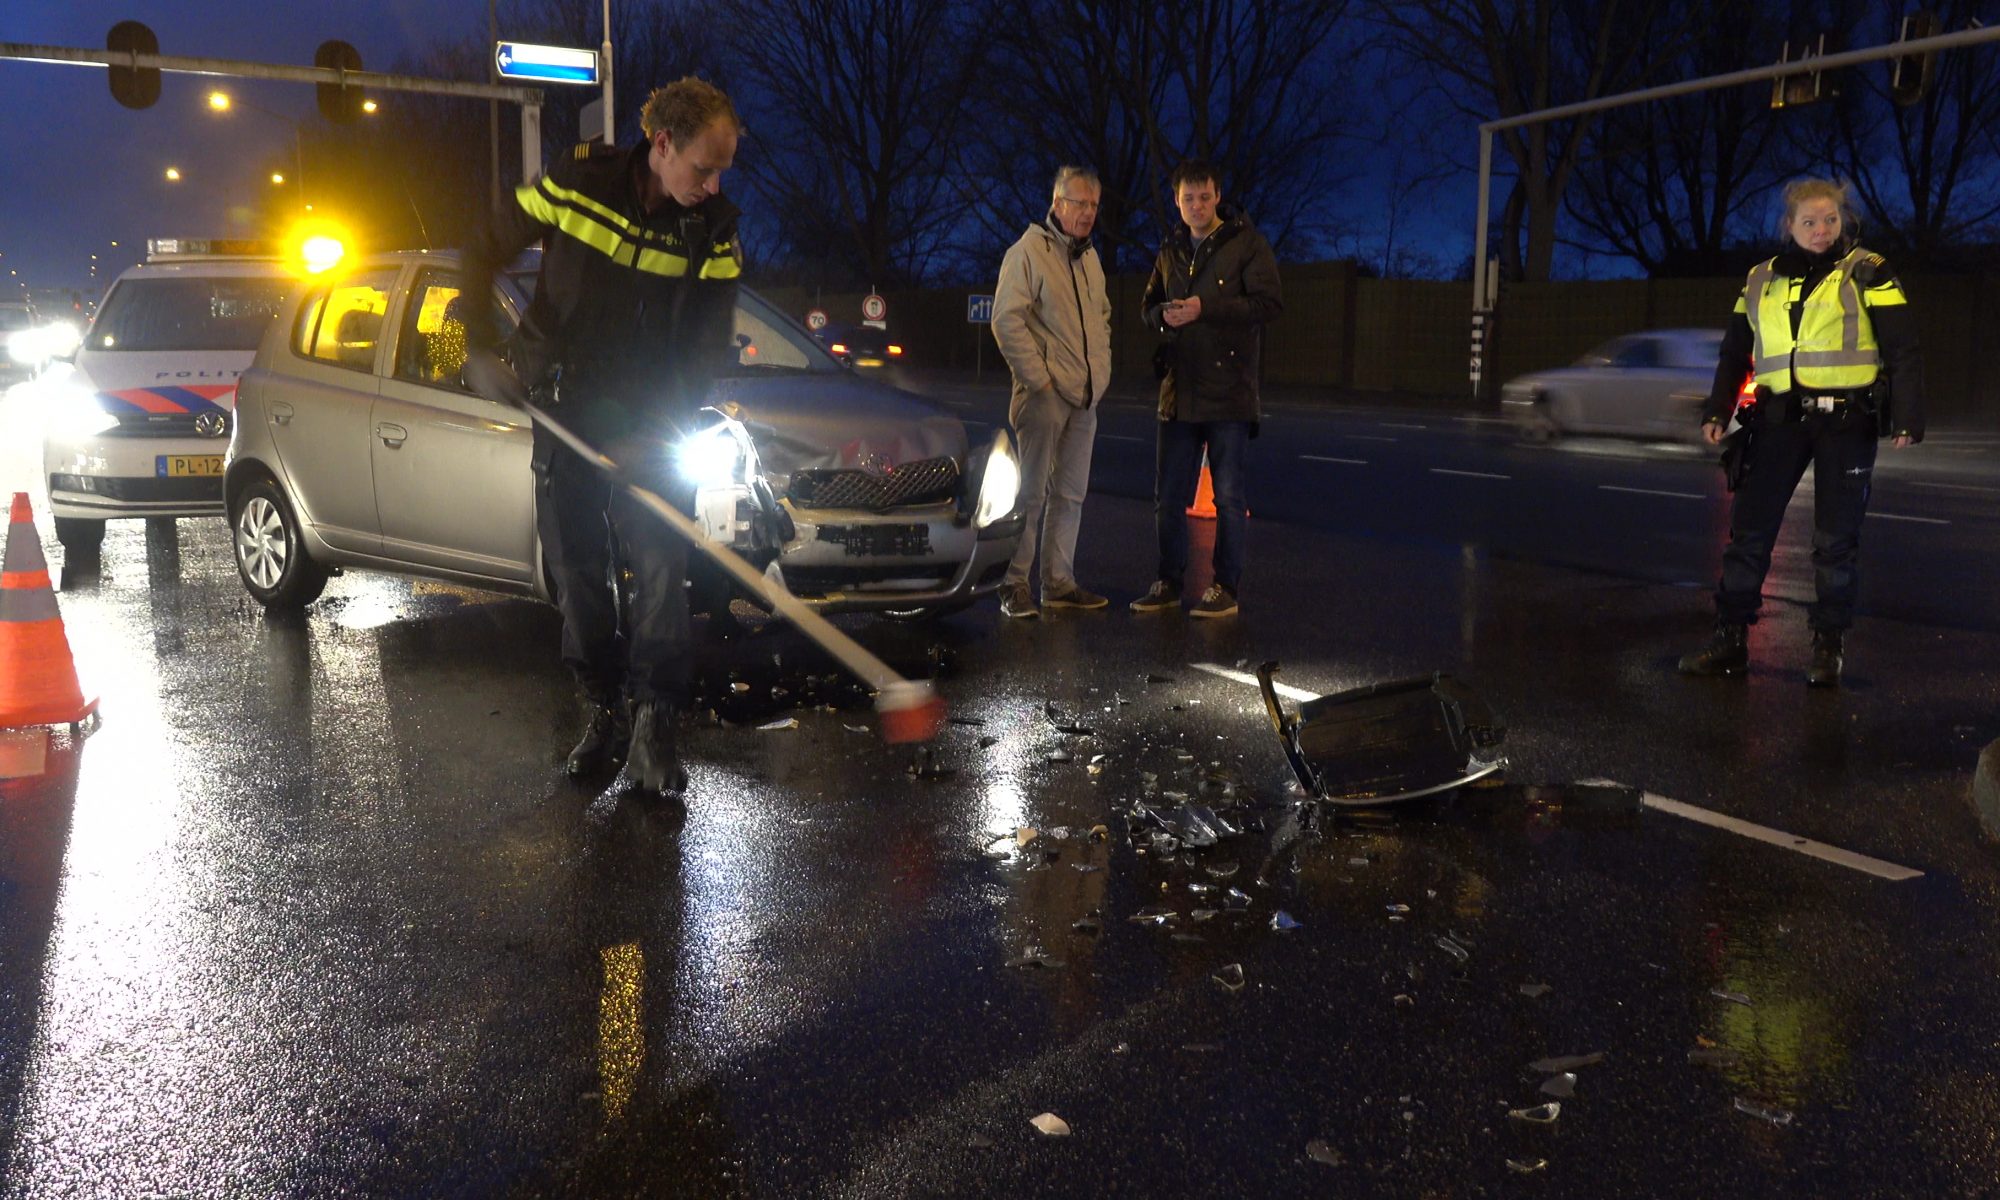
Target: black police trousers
pixel 589 529
pixel 1840 447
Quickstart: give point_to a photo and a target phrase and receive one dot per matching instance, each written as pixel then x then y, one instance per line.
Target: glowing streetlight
pixel 369 106
pixel 173 174
pixel 222 102
pixel 278 177
pixel 219 101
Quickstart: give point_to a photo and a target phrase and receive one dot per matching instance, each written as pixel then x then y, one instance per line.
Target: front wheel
pixel 270 550
pixel 81 536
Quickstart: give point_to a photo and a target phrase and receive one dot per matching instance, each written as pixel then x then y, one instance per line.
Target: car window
pixel 342 324
pixel 1638 353
pixel 432 346
pixel 1699 350
pixel 767 341
pixel 228 312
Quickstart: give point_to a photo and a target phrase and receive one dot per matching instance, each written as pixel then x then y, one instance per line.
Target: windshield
pixel 188 313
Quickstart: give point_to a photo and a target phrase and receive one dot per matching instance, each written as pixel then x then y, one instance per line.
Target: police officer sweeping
pixel 631 321
pixel 1819 326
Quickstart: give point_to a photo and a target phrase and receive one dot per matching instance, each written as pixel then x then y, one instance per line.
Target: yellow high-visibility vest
pixel 1835 347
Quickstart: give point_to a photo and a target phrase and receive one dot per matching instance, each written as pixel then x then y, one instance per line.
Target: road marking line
pixel 1960 487
pixel 1359 462
pixel 1283 689
pixel 1400 425
pixel 1612 487
pixel 1879 868
pixel 1120 437
pixel 1468 474
pixel 1901 517
pixel 1365 437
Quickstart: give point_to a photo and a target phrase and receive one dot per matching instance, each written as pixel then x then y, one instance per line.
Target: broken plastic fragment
pixel 1282 921
pixel 1230 977
pixel 1567 1062
pixel 1051 1125
pixel 1526 1166
pixel 783 723
pixel 1732 997
pixel 1221 870
pixel 857 729
pixel 1099 832
pixel 1404 1000
pixel 1059 756
pixel 1398 908
pixel 739 687
pixel 1562 1086
pixel 1205 914
pixel 1776 1116
pixel 1325 1155
pixel 1454 949
pixel 1235 899
pixel 1026 834
pixel 1541 1114
pixel 1534 991
pixel 1164 842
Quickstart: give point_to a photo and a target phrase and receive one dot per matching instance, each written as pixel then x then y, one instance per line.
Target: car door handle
pixel 392 435
pixel 281 414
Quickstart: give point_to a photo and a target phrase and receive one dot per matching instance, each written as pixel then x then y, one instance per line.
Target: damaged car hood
pixel 819 421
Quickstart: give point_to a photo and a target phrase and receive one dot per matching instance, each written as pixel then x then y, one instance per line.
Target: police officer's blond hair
pixel 1066 174
pixel 1798 191
pixel 684 108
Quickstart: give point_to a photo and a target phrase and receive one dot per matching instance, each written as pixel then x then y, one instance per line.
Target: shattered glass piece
pixel 1164 842
pixel 1230 977
pixel 1236 900
pixel 1221 870
pixel 1060 755
pixel 1090 924
pixel 1526 1166
pixel 1714 1056
pixel 1282 922
pixel 1183 756
pixel 1534 991
pixel 1763 1112
pixel 1454 949
pixel 1050 1125
pixel 1194 831
pixel 1205 914
pixel 1732 997
pixel 1176 797
pixel 1396 917
pixel 1398 908
pixel 1098 760
pixel 1087 868
pixel 857 729
pixel 1035 959
pixel 782 723
pixel 1562 1086
pixel 1152 914
pixel 1323 1154
pixel 1201 889
pixel 1060 833
pixel 1567 1062
pixel 1541 1114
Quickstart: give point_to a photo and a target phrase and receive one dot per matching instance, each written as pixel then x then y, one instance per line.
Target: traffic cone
pixel 1203 507
pixel 37 675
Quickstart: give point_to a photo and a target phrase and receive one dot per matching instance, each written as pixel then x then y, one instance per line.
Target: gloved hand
pixel 487 374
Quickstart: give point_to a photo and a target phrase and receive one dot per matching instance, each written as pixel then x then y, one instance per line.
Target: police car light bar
pixel 210 247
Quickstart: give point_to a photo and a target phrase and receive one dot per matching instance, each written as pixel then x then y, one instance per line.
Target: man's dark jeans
pixel 1177 472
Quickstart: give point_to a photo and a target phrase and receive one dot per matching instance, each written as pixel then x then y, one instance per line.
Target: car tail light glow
pixel 895 350
pixel 838 347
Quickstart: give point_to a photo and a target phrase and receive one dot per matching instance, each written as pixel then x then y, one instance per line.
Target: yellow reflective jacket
pixel 1834 344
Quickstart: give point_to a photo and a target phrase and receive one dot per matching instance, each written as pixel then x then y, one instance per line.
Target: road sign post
pixel 978 311
pixel 545 64
pixel 816 320
pixel 874 311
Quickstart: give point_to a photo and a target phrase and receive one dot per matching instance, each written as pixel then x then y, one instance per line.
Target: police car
pixel 137 425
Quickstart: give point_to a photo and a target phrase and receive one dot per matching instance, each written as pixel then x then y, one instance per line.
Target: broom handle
pixel 852 655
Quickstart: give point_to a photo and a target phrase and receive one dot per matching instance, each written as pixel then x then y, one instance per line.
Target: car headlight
pixel 73 411
pixel 1000 487
pixel 25 346
pixel 718 456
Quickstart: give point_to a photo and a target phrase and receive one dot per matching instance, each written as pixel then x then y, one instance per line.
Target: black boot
pixel 655 764
pixel 1825 669
pixel 1727 652
pixel 603 743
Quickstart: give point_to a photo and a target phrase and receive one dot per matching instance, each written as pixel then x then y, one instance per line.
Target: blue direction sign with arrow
pixel 545 64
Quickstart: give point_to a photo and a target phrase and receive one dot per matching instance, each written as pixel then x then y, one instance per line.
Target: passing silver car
pixel 1643 385
pixel 356 445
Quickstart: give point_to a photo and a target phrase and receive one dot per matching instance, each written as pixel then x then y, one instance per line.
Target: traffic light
pixel 1911 76
pixel 337 103
pixel 1805 87
pixel 140 87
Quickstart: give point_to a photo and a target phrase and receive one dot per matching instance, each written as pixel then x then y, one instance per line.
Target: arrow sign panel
pixel 545 64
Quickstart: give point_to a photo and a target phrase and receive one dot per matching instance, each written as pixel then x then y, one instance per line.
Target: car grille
pixel 818 581
pixel 136 490
pixel 152 425
pixel 925 482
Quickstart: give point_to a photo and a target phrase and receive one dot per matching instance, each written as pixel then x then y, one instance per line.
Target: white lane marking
pixel 1400 425
pixel 1365 437
pixel 1359 462
pixel 1121 437
pixel 1901 517
pixel 1863 863
pixel 1283 689
pixel 1960 487
pixel 1612 487
pixel 1468 474
pixel 1484 420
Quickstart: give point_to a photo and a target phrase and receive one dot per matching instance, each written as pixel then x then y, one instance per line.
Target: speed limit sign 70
pixel 816 320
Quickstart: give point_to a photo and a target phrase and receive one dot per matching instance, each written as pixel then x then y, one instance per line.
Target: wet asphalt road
pixel 315 913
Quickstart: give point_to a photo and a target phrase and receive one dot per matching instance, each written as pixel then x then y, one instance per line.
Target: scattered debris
pixel 857 729
pixel 1534 991
pixel 1526 1166
pixel 1088 924
pixel 1050 1125
pixel 1776 1116
pixel 1282 922
pixel 1387 741
pixel 1454 949
pixel 1236 900
pixel 979 1141
pixel 1562 1086
pixel 1087 868
pixel 1026 834
pixel 1714 1056
pixel 1152 915
pixel 1060 755
pixel 781 723
pixel 1222 870
pixel 1035 959
pixel 1404 1000
pixel 985 743
pixel 1732 997
pixel 1230 977
pixel 1397 908
pixel 924 765
pixel 1099 832
pixel 1541 1114
pixel 1567 1062
pixel 1325 1155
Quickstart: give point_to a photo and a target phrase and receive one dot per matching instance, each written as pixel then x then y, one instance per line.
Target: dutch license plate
pixel 173 466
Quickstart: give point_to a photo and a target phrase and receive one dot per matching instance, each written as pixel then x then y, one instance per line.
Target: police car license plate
pixel 173 466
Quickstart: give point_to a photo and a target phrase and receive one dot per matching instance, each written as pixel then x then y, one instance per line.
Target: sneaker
pixel 1727 653
pixel 605 739
pixel 1163 595
pixel 655 762
pixel 1017 601
pixel 1070 595
pixel 1217 601
pixel 1825 669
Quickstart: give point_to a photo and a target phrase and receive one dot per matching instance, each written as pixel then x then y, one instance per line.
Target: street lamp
pixel 173 174
pixel 222 102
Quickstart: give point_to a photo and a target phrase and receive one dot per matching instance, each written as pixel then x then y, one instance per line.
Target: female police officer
pixel 1818 325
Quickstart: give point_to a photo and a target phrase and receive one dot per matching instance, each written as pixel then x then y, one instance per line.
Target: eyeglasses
pixel 1088 205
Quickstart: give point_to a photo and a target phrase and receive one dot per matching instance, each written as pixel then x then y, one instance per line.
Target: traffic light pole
pixel 530 99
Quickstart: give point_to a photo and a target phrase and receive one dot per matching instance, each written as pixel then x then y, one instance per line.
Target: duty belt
pixel 1825 404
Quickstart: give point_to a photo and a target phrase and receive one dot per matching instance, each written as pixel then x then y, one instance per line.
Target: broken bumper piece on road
pixel 1388 741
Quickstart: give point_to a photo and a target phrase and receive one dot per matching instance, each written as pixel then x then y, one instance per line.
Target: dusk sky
pixel 85 171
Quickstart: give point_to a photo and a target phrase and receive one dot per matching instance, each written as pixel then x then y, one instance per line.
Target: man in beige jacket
pixel 1052 319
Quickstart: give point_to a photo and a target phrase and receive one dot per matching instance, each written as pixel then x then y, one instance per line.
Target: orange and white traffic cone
pixel 1203 507
pixel 38 684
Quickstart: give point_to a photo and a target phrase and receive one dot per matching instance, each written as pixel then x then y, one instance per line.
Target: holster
pixel 1736 455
